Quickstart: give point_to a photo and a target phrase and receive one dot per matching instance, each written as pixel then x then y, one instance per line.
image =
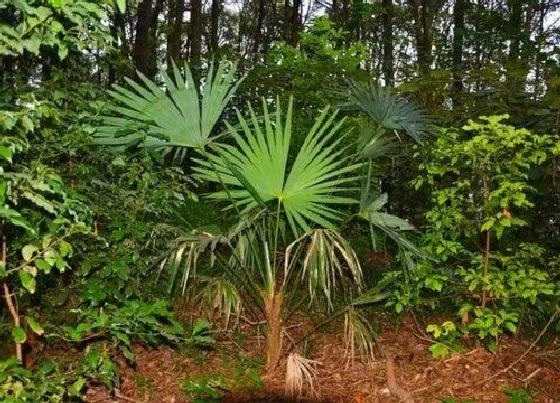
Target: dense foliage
pixel 266 161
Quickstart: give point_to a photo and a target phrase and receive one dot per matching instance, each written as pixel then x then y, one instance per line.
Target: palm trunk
pixel 275 329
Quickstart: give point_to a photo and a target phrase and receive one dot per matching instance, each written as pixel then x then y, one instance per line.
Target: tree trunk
pixel 286 31
pixel 485 267
pixel 141 55
pixel 174 38
pixel 259 27
pixel 424 12
pixel 195 36
pixel 215 25
pixel 9 301
pixel 388 42
pixel 118 33
pixel 458 36
pixel 275 329
pixel 486 263
pixel 515 29
pixel 295 22
pixel 540 31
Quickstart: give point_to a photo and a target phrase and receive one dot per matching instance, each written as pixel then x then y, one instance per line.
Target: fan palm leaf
pixel 173 116
pixel 387 111
pixel 256 171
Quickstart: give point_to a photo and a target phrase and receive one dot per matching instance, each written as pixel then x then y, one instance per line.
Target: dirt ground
pixel 233 369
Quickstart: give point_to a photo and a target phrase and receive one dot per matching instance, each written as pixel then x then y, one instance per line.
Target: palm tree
pixel 290 210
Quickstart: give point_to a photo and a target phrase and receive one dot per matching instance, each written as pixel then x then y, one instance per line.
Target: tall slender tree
pixel 195 37
pixel 388 71
pixel 215 11
pixel 458 39
pixel 175 35
pixel 142 56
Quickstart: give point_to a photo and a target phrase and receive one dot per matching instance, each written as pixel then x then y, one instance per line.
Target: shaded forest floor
pixel 230 372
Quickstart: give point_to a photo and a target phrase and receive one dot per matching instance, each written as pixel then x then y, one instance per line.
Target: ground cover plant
pixel 272 201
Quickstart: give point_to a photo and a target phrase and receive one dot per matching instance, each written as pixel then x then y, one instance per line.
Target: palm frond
pixel 255 172
pixel 327 259
pixel 359 336
pixel 373 143
pixel 218 296
pixel 388 112
pixel 182 259
pixel 300 374
pixel 370 210
pixel 173 116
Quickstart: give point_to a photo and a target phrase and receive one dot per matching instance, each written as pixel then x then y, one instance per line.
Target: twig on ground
pixel 120 396
pixel 402 394
pixel 420 330
pixel 522 356
pixel 532 374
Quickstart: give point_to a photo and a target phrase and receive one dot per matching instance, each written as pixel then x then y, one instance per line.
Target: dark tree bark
pixel 516 68
pixel 458 39
pixel 195 36
pixel 118 31
pixel 7 63
pixel 515 29
pixel 142 55
pixel 295 22
pixel 538 64
pixel 334 14
pixel 388 71
pixel 215 11
pixel 286 31
pixel 424 12
pixel 174 38
pixel 259 28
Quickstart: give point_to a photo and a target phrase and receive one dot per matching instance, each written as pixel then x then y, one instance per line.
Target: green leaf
pixel 34 325
pixel 65 248
pixel 62 51
pixel 27 252
pixel 200 327
pixel 439 350
pixel 511 327
pixel 6 153
pixel 77 386
pixel 121 4
pixel 18 335
pixel 42 265
pixel 27 280
pixel 176 116
pixel 487 226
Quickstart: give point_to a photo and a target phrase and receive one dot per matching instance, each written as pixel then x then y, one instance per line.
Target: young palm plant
pixel 293 238
pixel 290 203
